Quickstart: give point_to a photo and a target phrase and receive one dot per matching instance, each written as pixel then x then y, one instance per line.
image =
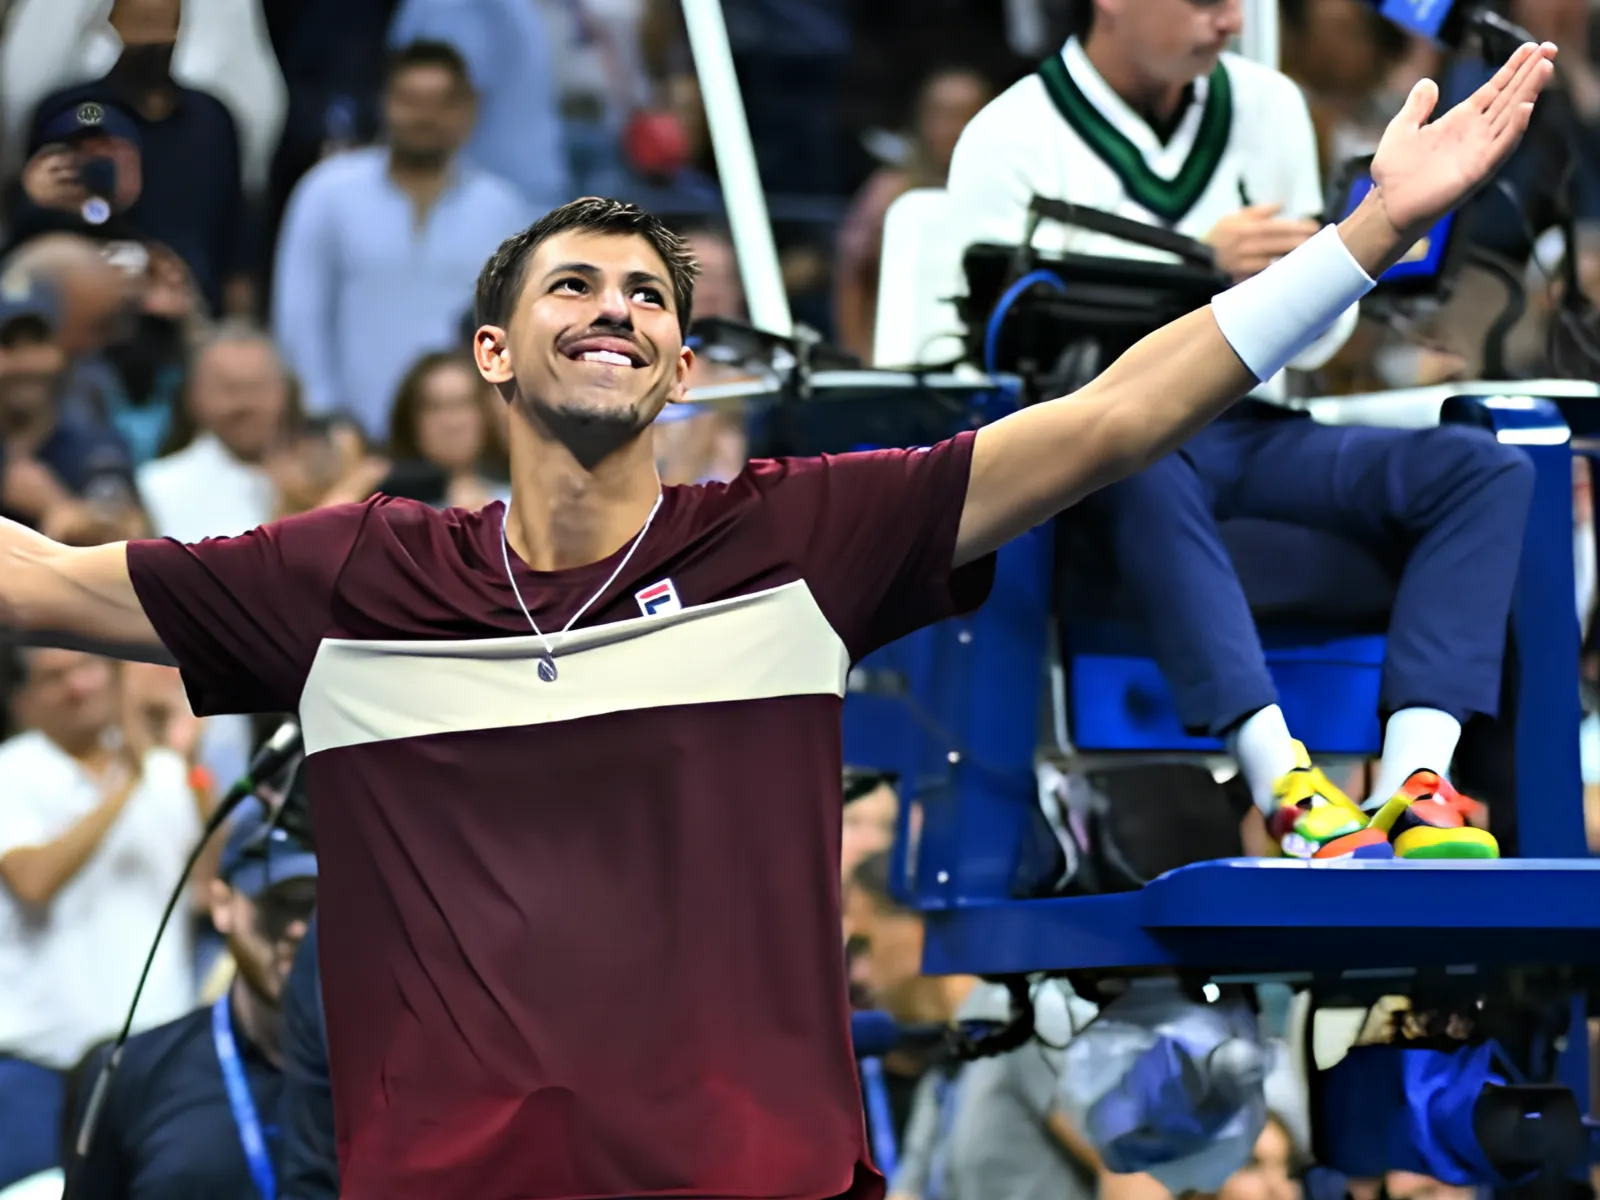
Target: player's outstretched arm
pixel 1034 463
pixel 67 595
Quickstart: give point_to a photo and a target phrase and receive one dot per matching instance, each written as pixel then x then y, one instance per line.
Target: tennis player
pixel 567 950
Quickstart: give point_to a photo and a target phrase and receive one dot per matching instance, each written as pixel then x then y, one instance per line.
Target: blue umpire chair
pixel 965 711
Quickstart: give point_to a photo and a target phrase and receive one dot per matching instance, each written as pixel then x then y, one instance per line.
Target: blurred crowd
pixel 238 244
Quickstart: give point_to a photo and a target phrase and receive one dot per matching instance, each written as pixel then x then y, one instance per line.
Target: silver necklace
pixel 547 658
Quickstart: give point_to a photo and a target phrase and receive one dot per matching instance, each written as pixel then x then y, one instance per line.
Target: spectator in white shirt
pixel 97 816
pixel 238 405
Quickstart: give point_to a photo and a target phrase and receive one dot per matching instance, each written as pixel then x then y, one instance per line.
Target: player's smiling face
pixel 595 339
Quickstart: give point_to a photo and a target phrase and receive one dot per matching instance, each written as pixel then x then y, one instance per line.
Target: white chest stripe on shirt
pixel 768 644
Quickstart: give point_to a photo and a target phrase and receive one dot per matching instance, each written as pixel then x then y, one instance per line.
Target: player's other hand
pixel 1251 239
pixel 1424 169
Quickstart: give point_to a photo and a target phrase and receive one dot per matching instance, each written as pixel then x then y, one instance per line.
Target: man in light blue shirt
pixel 509 54
pixel 380 247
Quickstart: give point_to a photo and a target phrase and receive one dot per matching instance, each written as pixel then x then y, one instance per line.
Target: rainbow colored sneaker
pixel 1317 820
pixel 1427 818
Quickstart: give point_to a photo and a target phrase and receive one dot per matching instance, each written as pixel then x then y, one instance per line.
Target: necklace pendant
pixel 547 668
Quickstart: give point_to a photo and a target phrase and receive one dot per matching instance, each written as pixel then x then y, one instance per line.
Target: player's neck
pixel 256 1021
pixel 1155 100
pixel 564 514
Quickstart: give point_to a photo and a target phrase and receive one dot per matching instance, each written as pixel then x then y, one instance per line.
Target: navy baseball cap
pixel 258 855
pixel 87 118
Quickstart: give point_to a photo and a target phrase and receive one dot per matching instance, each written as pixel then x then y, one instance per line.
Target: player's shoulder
pixel 414 522
pixel 1257 87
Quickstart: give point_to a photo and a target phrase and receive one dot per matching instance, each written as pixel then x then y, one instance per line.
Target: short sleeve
pixel 874 536
pixel 244 615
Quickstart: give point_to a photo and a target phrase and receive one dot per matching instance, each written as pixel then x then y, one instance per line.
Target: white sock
pixel 1264 750
pixel 1414 739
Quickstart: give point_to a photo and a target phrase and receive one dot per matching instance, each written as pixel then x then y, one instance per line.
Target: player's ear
pixel 680 382
pixel 492 353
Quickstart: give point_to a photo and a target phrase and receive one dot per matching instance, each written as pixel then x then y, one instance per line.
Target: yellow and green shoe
pixel 1427 818
pixel 1317 820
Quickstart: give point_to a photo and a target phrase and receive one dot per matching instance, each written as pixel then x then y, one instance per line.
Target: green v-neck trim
pixel 1169 199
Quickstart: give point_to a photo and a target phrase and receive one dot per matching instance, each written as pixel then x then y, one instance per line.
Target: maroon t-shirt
pixel 581 938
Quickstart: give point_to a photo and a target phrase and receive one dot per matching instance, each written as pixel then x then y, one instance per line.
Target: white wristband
pixel 1271 317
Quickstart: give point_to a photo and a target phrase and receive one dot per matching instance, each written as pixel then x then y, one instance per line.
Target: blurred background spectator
pixel 946 100
pixel 381 247
pixel 190 195
pixel 96 818
pixel 511 66
pixel 446 444
pixel 218 47
pixel 236 412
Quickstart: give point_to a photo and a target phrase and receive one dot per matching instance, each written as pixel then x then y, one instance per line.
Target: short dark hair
pixel 500 282
pixel 426 53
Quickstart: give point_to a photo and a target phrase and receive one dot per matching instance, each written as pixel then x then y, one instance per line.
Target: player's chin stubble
pixel 592 431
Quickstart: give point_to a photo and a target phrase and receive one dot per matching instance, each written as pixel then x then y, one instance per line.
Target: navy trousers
pixel 1450 502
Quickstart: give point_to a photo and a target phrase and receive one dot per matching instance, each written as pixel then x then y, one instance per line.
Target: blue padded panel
pixel 1327 684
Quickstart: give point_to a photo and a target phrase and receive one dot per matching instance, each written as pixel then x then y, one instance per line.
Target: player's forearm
pixel 77 597
pixel 28 560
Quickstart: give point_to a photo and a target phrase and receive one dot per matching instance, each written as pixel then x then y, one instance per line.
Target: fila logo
pixel 658 598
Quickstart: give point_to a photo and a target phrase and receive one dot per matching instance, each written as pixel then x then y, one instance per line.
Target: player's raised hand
pixel 1423 170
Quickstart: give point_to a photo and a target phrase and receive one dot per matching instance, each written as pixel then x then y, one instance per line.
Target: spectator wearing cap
pixel 223 47
pixel 59 469
pixel 85 172
pixel 96 817
pixel 191 194
pixel 192 1112
pixel 381 247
